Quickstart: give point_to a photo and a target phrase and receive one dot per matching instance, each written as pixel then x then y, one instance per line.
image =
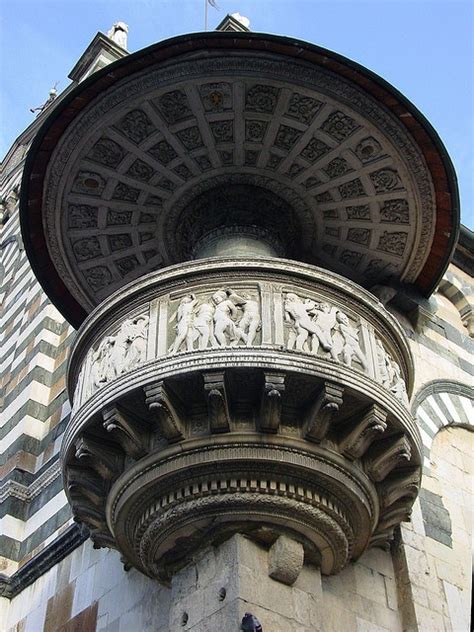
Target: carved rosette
pixel 261 397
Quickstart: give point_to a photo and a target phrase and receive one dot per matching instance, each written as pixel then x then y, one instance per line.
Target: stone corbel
pixel 127 430
pixel 217 402
pixel 102 538
pixel 84 483
pixel 402 485
pixel 90 515
pixel 161 403
pixel 390 453
pixel 271 401
pixel 399 512
pixel 322 411
pixel 382 539
pixel 362 431
pixel 104 459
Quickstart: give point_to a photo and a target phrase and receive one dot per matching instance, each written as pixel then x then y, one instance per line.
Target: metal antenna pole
pixel 205 15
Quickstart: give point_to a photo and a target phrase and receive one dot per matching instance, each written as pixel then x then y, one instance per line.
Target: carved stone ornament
pixel 172 158
pixel 209 410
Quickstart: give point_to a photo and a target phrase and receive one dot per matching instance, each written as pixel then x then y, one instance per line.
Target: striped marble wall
pixel 34 339
pixel 439 404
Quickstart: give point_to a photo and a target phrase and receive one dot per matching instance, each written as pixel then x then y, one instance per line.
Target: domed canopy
pixel 141 161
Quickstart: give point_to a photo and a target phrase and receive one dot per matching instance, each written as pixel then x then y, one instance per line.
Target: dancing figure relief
pixel 224 320
pixel 250 323
pixel 313 326
pixel 390 374
pixel 184 316
pixel 302 318
pixel 350 341
pixel 121 353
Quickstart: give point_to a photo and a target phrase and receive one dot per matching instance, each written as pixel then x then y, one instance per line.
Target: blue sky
pixel 422 47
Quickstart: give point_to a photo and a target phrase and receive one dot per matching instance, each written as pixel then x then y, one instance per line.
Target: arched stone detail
pixel 461 296
pixel 439 404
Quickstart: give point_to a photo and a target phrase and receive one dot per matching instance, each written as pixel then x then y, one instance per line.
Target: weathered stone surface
pixel 285 560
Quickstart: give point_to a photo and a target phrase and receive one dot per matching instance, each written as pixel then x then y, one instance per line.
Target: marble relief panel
pixel 241 315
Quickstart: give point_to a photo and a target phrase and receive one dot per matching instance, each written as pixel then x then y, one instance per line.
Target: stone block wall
pixel 90 591
pixel 434 553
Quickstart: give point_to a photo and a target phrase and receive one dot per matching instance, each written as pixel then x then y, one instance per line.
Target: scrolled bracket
pixel 271 401
pixel 362 432
pixel 161 403
pixel 104 459
pixel 322 411
pixel 401 485
pixel 389 454
pixel 217 401
pixel 128 431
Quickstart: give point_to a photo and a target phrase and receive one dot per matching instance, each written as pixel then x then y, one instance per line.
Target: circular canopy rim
pixel 421 130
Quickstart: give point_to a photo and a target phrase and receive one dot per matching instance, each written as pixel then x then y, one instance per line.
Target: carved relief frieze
pixel 245 314
pixel 389 373
pixel 321 328
pixel 117 354
pixel 222 319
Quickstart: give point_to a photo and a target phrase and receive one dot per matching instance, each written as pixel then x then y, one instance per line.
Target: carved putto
pixel 390 375
pixel 118 354
pixel 313 326
pixel 222 320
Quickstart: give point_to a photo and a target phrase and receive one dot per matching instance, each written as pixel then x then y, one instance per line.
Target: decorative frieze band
pixel 249 314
